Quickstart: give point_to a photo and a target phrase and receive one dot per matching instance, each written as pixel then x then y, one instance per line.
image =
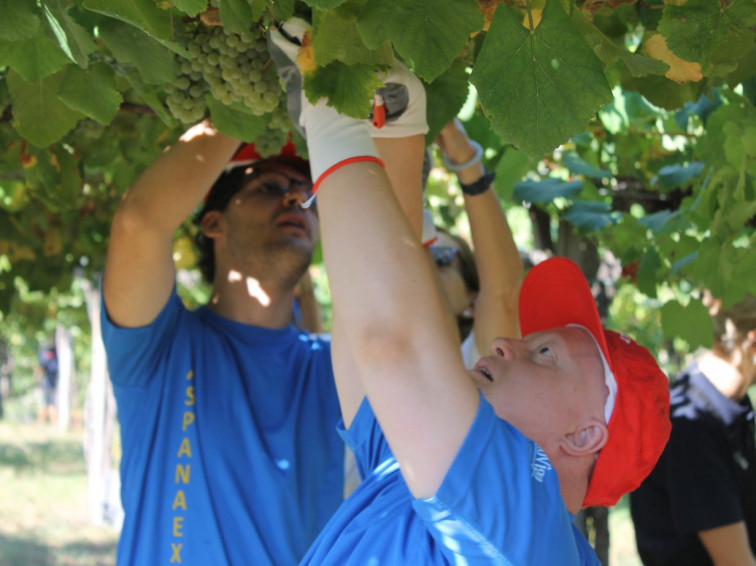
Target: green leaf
pixel 38 114
pixel 697 28
pixel 155 63
pixel 674 176
pixel 547 190
pixel 657 221
pixel 283 9
pixel 74 40
pixel 190 7
pixel 324 4
pixel 445 96
pixel 20 20
pixel 664 92
pixel 336 38
pixel 236 15
pixel 511 169
pixel 235 120
pixel 590 215
pixel 144 14
pixel 646 277
pixel 692 323
pixel 91 92
pixel 580 166
pixel 34 58
pixel 349 89
pixel 428 35
pixel 540 87
pixel 149 96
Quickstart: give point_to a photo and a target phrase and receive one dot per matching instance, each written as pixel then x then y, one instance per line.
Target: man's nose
pixel 504 347
pixel 296 195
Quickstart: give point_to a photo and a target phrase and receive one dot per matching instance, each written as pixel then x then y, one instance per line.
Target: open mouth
pixel 485 372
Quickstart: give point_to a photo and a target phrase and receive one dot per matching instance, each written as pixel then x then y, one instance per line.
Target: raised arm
pixel 139 272
pixel 496 257
pixel 389 308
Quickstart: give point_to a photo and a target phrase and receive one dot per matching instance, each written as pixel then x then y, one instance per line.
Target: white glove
pixel 404 103
pixel 430 235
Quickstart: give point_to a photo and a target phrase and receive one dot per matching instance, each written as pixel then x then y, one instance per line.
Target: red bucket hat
pixel 555 293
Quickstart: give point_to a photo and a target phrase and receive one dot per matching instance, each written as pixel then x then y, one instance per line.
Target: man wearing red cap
pixel 466 466
pixel 227 413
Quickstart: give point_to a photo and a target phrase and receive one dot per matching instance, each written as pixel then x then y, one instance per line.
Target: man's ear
pixel 588 439
pixel 210 224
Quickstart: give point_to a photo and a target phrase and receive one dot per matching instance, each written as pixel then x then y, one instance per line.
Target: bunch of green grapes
pixel 236 67
pixel 273 137
pixel 186 97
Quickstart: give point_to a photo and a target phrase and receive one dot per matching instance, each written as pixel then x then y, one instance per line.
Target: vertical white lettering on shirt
pixel 539 464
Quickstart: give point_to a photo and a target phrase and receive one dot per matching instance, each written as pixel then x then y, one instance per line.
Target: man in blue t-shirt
pixel 464 466
pixel 230 455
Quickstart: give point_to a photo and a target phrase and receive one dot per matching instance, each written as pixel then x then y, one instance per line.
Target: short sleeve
pixel 366 440
pixel 133 352
pixel 500 502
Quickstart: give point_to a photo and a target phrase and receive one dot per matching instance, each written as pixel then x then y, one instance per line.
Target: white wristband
pixel 470 162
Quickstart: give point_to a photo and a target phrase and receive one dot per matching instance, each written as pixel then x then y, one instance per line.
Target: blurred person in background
pixel 698 506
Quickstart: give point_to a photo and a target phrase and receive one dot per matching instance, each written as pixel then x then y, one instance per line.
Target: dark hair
pixel 218 197
pixel 225 187
pixel 469 271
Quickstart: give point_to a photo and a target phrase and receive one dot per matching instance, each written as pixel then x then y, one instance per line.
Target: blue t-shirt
pixel 498 504
pixel 230 449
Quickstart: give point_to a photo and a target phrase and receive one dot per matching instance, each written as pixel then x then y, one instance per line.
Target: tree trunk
pixel 64 349
pixel 99 416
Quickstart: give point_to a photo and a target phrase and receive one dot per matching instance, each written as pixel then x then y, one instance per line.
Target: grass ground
pixel 44 514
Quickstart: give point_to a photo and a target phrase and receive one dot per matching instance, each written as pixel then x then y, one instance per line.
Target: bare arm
pixel 391 320
pixel 496 256
pixel 139 272
pixel 728 545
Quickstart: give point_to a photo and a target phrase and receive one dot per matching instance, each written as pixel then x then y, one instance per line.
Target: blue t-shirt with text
pixel 498 504
pixel 230 452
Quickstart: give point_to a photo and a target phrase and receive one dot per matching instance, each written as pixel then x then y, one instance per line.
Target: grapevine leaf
pixel 20 20
pixel 144 14
pixel 325 4
pixel 673 176
pixel 680 70
pixel 74 40
pixel 697 28
pixel 538 87
pixel 190 7
pixel 128 44
pixel 580 166
pixel 445 96
pixel 236 15
pixel 692 323
pixel 663 92
pixel 348 88
pixel 148 96
pixel 283 9
pixel 235 120
pixel 511 169
pixel 547 190
pixel 92 93
pixel 428 35
pixel 34 58
pixel 659 220
pixel 590 215
pixel 38 115
pixel 647 272
pixel 336 38
pixel 610 52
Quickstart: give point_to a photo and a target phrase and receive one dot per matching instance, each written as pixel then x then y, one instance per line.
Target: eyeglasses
pixel 443 256
pixel 278 183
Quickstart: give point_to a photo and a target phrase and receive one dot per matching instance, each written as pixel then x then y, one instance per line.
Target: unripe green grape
pixel 183 83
